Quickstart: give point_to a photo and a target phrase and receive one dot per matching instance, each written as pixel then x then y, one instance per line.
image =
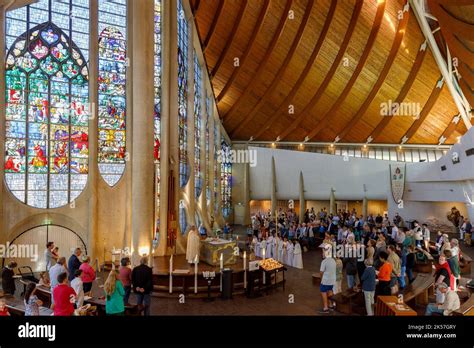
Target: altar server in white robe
pixel 258 249
pixel 275 252
pixel 280 249
pixel 284 255
pixel 254 245
pixel 193 245
pixel 269 251
pixel 297 256
pixel 289 251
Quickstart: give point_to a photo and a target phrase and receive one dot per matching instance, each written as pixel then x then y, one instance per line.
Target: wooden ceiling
pixel 322 70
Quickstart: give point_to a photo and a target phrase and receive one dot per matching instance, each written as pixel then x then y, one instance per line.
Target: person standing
pixel 8 280
pixel 368 286
pixel 142 282
pixel 114 292
pixel 394 260
pixel 78 287
pixel 48 256
pixel 73 264
pixel 383 275
pixel 125 275
pixel 88 274
pixel 328 278
pixel 55 271
pixel 63 297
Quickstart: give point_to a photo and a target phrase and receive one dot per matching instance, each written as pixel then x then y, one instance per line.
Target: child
pixel 289 252
pixel 3 308
pixel 32 303
pixel 44 280
pixel 297 256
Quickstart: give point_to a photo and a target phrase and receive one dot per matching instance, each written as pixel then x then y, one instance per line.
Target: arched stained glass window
pixel 183 220
pixel 157 111
pixel 226 179
pixel 112 91
pixel 183 45
pixel 197 126
pixel 47 102
pixel 208 171
pixel 216 167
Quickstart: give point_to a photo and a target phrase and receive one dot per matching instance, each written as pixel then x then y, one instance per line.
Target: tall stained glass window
pixel 208 172
pixel 112 95
pixel 226 179
pixel 47 96
pixel 183 220
pixel 157 111
pixel 197 126
pixel 183 47
pixel 216 167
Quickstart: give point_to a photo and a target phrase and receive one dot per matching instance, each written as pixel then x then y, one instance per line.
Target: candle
pixel 196 260
pixel 222 261
pixel 171 274
pixel 245 269
pixel 263 253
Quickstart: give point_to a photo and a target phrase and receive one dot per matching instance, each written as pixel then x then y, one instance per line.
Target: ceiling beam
pixel 325 143
pixel 382 75
pixel 382 125
pixel 360 65
pixel 258 27
pixel 459 99
pixel 230 38
pixel 279 74
pixel 425 112
pixel 342 49
pixel 263 62
pixel 452 126
pixel 212 28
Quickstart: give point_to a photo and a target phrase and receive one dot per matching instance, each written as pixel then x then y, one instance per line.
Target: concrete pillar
pixel 246 199
pixel 273 196
pixel 302 199
pixel 96 236
pixel 365 204
pixel 142 134
pixel 166 102
pixel 332 202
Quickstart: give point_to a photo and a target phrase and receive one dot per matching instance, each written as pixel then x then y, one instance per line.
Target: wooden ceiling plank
pixel 452 126
pixel 230 38
pixel 213 26
pixel 258 27
pixel 382 125
pixel 342 49
pixel 280 72
pixel 424 112
pixel 196 7
pixel 382 75
pixel 363 58
pixel 263 62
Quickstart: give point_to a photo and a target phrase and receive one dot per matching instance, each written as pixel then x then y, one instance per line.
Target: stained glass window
pixel 112 96
pixel 208 172
pixel 216 168
pixel 47 102
pixel 183 221
pixel 183 37
pixel 197 126
pixel 226 179
pixel 157 111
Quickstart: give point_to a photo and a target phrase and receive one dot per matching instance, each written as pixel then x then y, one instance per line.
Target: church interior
pixel 237 157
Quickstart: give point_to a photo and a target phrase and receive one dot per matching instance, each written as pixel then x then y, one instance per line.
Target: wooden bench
pixel 16 307
pixel 346 299
pixel 465 308
pixel 419 291
pixel 424 267
pixel 466 267
pixel 130 310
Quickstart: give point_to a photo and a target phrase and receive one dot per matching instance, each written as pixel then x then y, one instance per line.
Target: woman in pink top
pixel 125 275
pixel 88 274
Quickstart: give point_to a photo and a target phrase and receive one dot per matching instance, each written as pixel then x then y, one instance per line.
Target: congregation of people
pixel 71 283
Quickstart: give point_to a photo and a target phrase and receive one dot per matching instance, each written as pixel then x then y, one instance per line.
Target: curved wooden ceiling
pixel 322 69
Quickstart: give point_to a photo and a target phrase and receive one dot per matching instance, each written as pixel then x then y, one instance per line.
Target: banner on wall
pixel 397 181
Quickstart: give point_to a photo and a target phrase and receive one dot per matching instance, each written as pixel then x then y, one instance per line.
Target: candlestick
pixel 222 266
pixel 245 269
pixel 196 260
pixel 171 274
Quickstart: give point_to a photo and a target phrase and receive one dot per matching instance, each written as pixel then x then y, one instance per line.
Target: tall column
pixel 202 198
pixel 302 199
pixel 365 204
pixel 191 201
pixel 273 183
pixel 332 202
pixel 212 160
pixel 142 133
pixel 246 199
pixel 166 92
pixel 2 121
pixel 96 242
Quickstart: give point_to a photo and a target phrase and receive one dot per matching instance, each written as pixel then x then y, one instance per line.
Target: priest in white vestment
pixel 297 256
pixel 193 245
pixel 269 251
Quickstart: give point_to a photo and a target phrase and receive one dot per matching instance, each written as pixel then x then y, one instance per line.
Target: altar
pixel 212 248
